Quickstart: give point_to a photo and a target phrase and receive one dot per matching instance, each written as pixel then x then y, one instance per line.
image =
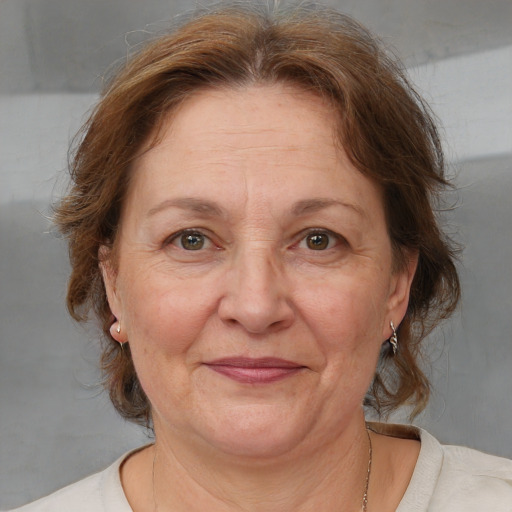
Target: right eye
pixel 190 240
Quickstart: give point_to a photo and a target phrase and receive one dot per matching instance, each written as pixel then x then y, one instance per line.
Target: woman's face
pixel 254 282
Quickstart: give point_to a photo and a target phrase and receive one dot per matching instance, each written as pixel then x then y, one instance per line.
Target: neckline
pixel 415 499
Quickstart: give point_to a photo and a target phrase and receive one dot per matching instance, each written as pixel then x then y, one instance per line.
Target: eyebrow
pixel 200 206
pixel 207 208
pixel 309 206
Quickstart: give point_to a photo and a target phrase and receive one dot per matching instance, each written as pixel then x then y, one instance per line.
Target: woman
pixel 251 219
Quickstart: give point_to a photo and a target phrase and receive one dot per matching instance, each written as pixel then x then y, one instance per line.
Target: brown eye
pixel 192 241
pixel 317 241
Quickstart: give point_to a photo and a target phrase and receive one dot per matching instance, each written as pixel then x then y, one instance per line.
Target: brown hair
pixel 383 125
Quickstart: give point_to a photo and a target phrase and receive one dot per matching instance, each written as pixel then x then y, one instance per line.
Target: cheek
pixel 345 318
pixel 165 315
pixel 165 321
pixel 341 317
pixel 347 311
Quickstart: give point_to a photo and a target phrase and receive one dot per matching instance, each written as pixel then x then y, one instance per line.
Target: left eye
pixel 190 240
pixel 318 241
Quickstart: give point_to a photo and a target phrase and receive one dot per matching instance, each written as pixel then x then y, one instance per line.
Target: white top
pixel 445 479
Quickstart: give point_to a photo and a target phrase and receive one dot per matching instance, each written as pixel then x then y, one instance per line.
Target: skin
pixel 255 176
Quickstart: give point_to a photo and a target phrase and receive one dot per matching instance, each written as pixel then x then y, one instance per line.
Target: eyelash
pixel 333 237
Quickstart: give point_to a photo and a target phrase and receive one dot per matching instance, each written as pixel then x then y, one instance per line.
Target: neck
pixel 330 477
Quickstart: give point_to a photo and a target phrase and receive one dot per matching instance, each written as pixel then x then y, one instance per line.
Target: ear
pixel 400 289
pixel 109 275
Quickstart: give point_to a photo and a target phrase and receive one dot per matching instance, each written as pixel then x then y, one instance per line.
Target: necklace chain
pixel 367 481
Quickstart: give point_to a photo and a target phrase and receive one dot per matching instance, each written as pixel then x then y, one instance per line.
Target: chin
pixel 256 432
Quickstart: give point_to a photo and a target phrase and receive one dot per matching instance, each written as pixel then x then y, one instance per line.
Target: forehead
pixel 272 106
pixel 276 141
pixel 290 116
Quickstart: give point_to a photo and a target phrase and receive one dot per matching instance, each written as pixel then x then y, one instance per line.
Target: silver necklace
pixel 367 482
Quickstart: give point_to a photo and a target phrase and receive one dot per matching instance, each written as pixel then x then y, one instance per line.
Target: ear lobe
pixel 400 291
pixel 109 275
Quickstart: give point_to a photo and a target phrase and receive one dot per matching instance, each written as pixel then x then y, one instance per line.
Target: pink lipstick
pixel 254 371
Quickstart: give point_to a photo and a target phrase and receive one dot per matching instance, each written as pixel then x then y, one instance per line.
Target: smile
pixel 255 371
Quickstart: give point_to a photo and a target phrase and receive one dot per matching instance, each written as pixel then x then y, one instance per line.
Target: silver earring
pixel 394 339
pixel 118 329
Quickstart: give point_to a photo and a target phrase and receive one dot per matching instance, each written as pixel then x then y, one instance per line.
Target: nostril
pixel 255 321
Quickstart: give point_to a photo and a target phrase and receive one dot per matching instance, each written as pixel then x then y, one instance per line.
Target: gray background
pixel 55 424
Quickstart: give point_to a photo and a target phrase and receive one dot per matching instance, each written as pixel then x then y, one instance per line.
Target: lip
pixel 263 370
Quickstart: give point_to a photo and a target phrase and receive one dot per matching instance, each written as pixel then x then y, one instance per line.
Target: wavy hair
pixel 385 127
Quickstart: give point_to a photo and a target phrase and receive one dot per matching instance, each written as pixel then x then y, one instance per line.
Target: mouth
pixel 255 371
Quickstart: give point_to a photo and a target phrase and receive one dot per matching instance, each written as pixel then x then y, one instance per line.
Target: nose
pixel 256 293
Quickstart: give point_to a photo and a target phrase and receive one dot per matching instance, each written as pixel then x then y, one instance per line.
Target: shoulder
pixel 83 496
pixel 101 492
pixel 472 480
pixel 457 479
pixel 452 478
